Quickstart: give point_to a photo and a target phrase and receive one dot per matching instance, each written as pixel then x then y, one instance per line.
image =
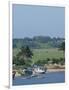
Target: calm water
pixel 51 77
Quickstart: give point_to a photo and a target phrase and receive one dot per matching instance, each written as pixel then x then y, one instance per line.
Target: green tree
pixel 24 56
pixel 62 46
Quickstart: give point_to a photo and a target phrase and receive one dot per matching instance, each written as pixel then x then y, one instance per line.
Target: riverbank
pixel 50 68
pixel 55 70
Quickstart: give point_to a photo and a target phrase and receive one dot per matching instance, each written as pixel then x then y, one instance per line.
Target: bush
pixel 62 61
pixel 42 62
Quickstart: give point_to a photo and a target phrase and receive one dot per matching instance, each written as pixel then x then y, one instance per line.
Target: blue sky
pixel 31 20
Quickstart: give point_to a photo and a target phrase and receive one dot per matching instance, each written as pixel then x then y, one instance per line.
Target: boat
pixel 34 71
pixel 38 70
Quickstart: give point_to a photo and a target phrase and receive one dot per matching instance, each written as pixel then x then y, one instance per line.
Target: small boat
pixel 38 71
pixel 35 71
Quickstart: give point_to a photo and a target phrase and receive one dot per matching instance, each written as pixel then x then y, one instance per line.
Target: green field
pixel 43 54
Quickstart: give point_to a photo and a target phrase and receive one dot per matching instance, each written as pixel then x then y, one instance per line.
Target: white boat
pixel 37 71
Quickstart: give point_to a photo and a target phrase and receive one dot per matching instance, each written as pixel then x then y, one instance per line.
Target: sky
pixel 32 20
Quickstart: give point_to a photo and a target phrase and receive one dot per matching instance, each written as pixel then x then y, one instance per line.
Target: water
pixel 51 77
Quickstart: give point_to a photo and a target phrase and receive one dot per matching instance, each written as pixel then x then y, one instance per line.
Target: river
pixel 50 77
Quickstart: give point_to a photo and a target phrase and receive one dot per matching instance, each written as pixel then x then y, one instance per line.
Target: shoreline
pixel 48 71
pixel 55 70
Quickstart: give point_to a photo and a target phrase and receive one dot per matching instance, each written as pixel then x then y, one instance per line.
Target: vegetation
pixel 23 56
pixel 38 42
pixel 38 50
pixel 62 46
pixel 42 56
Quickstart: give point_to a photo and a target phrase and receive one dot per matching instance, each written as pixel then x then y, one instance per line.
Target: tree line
pixel 37 41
